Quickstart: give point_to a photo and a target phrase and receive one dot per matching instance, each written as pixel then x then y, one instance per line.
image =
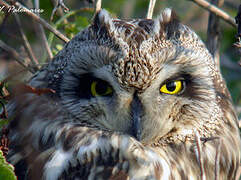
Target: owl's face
pixel 153 80
pixel 149 79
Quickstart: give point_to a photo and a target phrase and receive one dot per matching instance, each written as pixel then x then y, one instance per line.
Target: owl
pixel 136 99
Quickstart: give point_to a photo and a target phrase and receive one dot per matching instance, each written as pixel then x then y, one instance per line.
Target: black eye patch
pixel 90 86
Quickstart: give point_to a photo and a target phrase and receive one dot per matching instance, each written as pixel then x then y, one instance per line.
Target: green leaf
pixel 81 22
pixel 59 46
pixel 6 169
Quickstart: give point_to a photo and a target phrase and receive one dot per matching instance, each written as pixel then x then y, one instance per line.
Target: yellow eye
pixel 172 87
pixel 100 88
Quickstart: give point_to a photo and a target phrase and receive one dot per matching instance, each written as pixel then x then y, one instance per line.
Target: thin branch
pixel 15 55
pixel 238 21
pixel 25 42
pixel 199 155
pixel 220 13
pixel 4 113
pixel 45 42
pixel 22 88
pixel 4 141
pixel 238 35
pixel 65 17
pixel 217 159
pixel 213 32
pixel 59 4
pixel 59 11
pixel 42 34
pixel 151 9
pixel 38 19
pixel 98 5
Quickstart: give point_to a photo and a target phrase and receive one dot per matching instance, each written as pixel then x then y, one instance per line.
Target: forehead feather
pixel 145 45
pixel 141 46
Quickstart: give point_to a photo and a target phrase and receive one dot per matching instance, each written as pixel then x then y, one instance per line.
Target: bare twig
pixel 66 16
pixel 15 55
pixel 38 19
pixel 42 34
pixel 6 98
pixel 59 4
pixel 238 21
pixel 4 114
pixel 4 141
pixel 199 155
pixel 213 32
pixel 22 88
pixel 238 35
pixel 26 43
pixel 59 11
pixel 217 159
pixel 220 13
pixel 151 9
pixel 45 42
pixel 4 94
pixel 98 5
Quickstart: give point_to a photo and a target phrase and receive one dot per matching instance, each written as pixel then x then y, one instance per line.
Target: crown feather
pixel 103 23
pixel 166 24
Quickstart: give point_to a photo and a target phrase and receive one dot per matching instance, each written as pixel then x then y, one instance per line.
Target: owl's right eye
pixel 172 87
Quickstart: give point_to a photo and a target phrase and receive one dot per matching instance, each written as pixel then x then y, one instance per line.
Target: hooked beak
pixel 136 113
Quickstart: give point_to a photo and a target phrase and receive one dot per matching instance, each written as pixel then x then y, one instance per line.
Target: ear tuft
pixel 167 15
pixel 102 20
pixel 166 23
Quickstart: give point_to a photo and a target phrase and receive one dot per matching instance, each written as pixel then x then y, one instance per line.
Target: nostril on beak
pixel 136 113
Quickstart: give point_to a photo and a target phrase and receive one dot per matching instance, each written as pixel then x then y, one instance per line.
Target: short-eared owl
pixel 132 99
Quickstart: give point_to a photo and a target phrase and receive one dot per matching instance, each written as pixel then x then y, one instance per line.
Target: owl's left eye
pixel 172 87
pixel 100 88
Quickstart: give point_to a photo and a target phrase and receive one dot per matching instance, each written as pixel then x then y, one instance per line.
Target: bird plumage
pixel 129 129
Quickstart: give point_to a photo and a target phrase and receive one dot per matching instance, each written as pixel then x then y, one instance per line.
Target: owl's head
pixel 152 79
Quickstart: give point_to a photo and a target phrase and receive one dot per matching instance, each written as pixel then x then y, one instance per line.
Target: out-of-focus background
pixel 79 16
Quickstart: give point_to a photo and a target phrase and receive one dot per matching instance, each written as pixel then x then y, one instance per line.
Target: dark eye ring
pixel 100 88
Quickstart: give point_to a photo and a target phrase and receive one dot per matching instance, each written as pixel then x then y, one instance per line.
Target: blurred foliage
pixel 6 169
